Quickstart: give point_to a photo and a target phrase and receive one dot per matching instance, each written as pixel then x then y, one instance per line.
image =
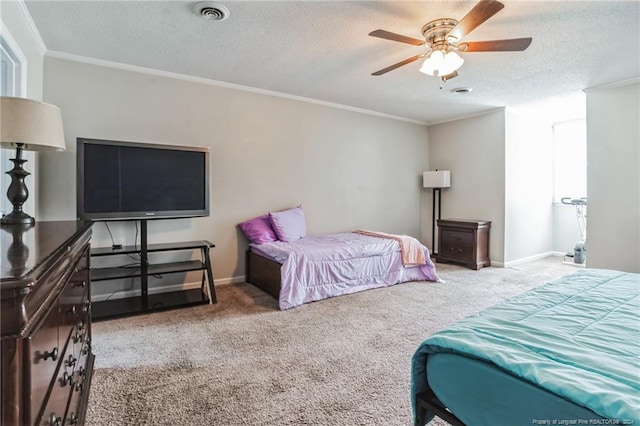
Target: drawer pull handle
pixel 71 361
pixel 454 250
pixel 73 310
pixel 67 379
pixel 82 284
pixel 55 420
pixel 53 354
pixel 78 338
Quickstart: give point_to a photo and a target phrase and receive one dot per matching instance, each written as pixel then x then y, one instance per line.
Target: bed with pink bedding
pixel 322 266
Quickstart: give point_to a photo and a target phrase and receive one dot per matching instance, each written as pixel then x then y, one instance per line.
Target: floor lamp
pixel 437 180
pixel 27 125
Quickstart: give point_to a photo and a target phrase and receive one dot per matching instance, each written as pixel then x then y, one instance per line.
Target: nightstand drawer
pixel 462 253
pixel 457 239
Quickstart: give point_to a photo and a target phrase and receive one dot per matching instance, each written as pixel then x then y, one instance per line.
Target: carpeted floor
pixel 341 361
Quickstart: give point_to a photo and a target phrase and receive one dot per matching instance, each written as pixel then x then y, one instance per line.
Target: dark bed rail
pixel 426 402
pixel 263 273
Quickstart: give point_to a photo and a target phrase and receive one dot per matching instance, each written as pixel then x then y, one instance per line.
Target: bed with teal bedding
pixel 565 353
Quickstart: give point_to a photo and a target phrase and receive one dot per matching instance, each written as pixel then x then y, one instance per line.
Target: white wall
pixel 528 188
pixel 16 25
pixel 473 149
pixel 348 169
pixel 613 177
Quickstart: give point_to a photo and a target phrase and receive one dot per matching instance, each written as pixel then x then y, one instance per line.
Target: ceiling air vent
pixel 461 90
pixel 211 11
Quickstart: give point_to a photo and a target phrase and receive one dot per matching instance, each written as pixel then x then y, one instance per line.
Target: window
pixel 11 79
pixel 570 159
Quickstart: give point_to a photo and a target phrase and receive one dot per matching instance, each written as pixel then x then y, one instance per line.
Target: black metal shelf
pixel 145 302
pixel 104 274
pixel 151 248
pixel 128 306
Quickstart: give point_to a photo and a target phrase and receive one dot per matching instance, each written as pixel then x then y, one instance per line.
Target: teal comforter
pixel 577 337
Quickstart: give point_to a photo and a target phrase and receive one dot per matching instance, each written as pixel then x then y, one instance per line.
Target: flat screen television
pixel 130 180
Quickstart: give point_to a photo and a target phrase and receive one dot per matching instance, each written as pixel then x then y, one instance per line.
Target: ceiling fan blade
pixel 449 76
pixel 396 37
pixel 482 11
pixel 509 45
pixel 398 65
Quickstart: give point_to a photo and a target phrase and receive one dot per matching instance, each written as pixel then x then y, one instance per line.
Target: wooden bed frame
pixel 263 273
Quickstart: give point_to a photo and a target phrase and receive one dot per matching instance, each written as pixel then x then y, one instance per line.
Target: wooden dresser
pixel 464 241
pixel 47 360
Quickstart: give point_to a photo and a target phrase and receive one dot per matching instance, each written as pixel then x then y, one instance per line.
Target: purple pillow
pixel 289 225
pixel 258 230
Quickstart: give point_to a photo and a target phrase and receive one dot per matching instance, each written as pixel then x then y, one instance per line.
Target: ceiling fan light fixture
pixel 440 63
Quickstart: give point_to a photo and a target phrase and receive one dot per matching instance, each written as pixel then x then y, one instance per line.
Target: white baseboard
pixel 230 280
pixel 531 258
pixel 163 289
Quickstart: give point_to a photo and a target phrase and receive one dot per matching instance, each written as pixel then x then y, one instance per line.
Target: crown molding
pixel 202 80
pixel 463 117
pixel 42 48
pixel 613 84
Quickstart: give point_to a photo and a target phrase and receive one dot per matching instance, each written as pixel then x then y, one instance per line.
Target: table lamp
pixel 32 126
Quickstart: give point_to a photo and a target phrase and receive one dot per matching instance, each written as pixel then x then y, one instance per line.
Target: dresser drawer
pixel 54 411
pixel 457 238
pixel 44 354
pixel 72 307
pixel 73 411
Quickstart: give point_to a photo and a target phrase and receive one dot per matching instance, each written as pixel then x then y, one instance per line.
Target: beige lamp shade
pixel 436 179
pixel 36 125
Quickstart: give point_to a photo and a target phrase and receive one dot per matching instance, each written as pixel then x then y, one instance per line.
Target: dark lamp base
pixel 20 218
pixel 17 192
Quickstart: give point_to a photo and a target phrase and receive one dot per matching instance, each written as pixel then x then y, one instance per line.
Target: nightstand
pixel 464 241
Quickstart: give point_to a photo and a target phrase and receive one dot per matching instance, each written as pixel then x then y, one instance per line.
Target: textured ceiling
pixel 321 50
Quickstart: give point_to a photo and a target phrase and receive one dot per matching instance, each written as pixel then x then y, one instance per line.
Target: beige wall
pixel 473 149
pixel 347 169
pixel 613 177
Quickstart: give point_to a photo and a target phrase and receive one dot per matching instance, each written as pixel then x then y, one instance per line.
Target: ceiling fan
pixel 443 37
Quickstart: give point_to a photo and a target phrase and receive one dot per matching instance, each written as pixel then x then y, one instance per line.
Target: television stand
pixel 145 302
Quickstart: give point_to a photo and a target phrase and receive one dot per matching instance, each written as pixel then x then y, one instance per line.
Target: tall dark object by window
pixel 437 180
